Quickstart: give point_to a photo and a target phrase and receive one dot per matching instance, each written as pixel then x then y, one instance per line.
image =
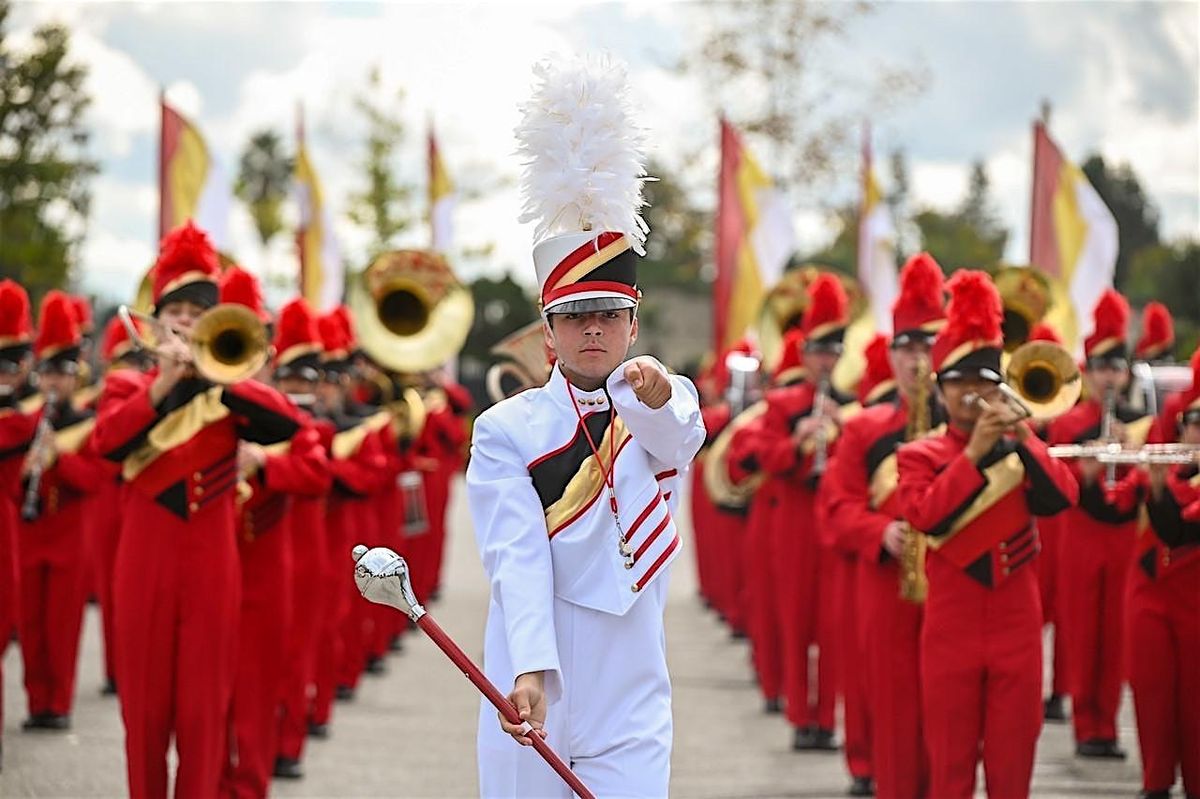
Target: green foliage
pixel 264 178
pixel 44 170
pixel 680 236
pixel 971 237
pixel 383 204
pixel 501 306
pixel 1137 218
pixel 1171 275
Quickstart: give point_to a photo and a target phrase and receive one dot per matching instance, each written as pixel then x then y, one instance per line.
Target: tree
pixel 383 204
pixel 970 237
pixel 264 179
pixel 44 169
pixel 680 235
pixel 1137 218
pixel 772 65
pixel 1171 275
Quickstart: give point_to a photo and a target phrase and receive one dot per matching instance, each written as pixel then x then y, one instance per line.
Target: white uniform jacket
pixel 541 509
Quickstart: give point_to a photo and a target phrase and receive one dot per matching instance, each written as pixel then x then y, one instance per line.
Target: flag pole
pixel 163 211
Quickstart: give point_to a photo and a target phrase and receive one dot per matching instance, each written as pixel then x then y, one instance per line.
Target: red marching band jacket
pixel 978 517
pixel 183 453
pixel 296 473
pixel 1166 547
pixel 76 470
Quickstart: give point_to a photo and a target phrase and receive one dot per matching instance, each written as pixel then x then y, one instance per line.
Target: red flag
pixel 731 231
pixel 1047 167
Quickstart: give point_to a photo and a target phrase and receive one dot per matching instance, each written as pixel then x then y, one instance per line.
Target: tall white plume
pixel 582 151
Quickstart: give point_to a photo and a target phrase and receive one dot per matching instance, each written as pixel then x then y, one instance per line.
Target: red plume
pixel 241 288
pixel 1195 362
pixel 184 250
pixel 346 320
pixel 975 310
pixel 921 299
pixel 1158 331
pixel 116 338
pixel 83 312
pixel 791 357
pixel 334 339
pixel 57 325
pixel 827 304
pixel 1111 320
pixel 1044 332
pixel 878 367
pixel 16 324
pixel 296 327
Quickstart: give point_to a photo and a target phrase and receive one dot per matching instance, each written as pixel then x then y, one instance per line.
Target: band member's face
pixel 1105 377
pixel 906 360
pixel 296 385
pixel 331 389
pixel 819 364
pixel 591 345
pixel 14 375
pixel 956 392
pixel 181 314
pixel 1190 434
pixel 57 383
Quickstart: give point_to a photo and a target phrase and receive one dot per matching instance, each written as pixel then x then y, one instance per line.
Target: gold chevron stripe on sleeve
pixel 70 439
pixel 1003 476
pixel 175 428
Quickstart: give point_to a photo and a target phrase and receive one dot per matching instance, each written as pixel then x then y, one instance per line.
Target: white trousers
pixel 612 724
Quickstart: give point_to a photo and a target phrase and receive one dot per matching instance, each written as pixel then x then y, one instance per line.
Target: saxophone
pixel 821 437
pixel 913 584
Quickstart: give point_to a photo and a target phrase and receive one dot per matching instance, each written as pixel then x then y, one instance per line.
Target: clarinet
pixel 821 444
pixel 45 429
pixel 913 584
pixel 1106 433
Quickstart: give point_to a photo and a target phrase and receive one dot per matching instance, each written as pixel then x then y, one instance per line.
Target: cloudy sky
pixel 1122 78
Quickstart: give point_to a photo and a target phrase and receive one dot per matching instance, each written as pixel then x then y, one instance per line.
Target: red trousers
pixel 981 681
pixel 1051 591
pixel 310 605
pixel 437 498
pixel 1094 582
pixel 1164 672
pixel 53 591
pixel 702 512
pixel 891 631
pixel 851 668
pixel 176 593
pixel 264 629
pixel 346 524
pixel 762 609
pixel 104 507
pixel 10 583
pixel 803 584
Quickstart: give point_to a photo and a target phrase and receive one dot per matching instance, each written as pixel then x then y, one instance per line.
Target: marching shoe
pixel 1165 793
pixel 802 738
pixel 1100 748
pixel 825 741
pixel 861 786
pixel 773 705
pixel 1053 710
pixel 287 768
pixel 397 644
pixel 375 665
pixel 343 693
pixel 109 688
pixel 318 730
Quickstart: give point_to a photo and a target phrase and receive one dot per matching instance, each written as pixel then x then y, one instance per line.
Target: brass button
pixel 1003 558
pixel 628 564
pixel 193 507
pixel 635 588
pixel 1007 571
pixel 197 476
pixel 199 491
pixel 1003 545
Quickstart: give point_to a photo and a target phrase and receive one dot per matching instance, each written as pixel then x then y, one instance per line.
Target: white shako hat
pixel 582 152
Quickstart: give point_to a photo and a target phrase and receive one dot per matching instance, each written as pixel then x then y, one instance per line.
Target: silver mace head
pixel 382 577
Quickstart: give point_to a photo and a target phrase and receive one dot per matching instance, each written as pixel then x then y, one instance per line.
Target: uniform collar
pixel 585 401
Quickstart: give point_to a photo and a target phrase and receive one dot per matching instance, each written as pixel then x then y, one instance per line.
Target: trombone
pixel 228 342
pixel 1042 382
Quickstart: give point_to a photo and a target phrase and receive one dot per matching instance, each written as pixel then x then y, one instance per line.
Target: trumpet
pixel 1114 453
pixel 1043 381
pixel 228 342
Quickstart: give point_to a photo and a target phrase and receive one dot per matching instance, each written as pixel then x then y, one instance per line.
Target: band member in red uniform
pixel 118 353
pixel 272 479
pixel 877 385
pixel 297 370
pixel 16 431
pixel 1163 615
pixel 754 586
pixel 176 583
pixel 1099 537
pixel 1157 342
pixel 974 490
pixel 864 508
pixel 59 470
pixel 799 426
pixel 444 439
pixel 1049 571
pixel 358 464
